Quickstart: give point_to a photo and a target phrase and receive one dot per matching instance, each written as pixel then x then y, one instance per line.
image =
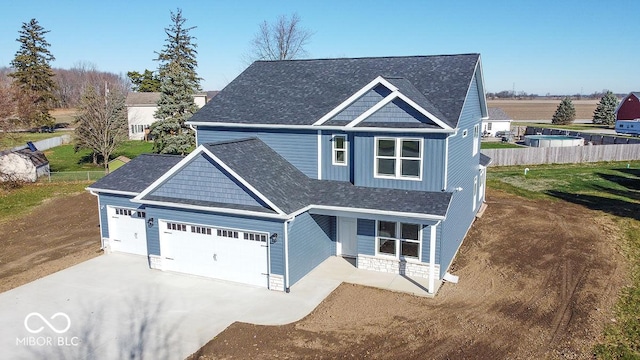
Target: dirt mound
pixel 538 279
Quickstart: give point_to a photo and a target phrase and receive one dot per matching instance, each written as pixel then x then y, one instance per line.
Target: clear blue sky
pixel 558 47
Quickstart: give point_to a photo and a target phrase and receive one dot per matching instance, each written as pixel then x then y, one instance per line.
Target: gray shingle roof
pixel 485 160
pixel 137 174
pixel 299 92
pixel 142 98
pixel 496 113
pixel 291 190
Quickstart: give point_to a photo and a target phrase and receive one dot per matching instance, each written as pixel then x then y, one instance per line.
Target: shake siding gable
pixel 300 148
pixel 312 239
pixel 113 200
pixel 432 164
pixel 462 169
pixel 364 103
pixel 203 180
pixel 397 111
pixel 217 220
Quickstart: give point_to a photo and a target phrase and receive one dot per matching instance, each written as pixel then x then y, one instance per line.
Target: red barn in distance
pixel 628 115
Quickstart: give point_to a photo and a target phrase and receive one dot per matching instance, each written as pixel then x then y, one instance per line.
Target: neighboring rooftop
pixel 147 98
pixel 496 113
pixel 300 92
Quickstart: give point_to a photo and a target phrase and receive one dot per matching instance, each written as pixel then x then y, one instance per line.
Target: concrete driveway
pixel 115 307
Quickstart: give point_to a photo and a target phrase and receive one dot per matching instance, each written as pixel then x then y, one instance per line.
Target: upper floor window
pixel 339 150
pixel 398 158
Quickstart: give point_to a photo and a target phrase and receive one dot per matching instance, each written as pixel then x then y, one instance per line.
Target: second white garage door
pixel 227 254
pixel 127 230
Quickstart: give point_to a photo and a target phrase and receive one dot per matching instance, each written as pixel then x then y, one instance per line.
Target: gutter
pixel 286 253
pixel 322 127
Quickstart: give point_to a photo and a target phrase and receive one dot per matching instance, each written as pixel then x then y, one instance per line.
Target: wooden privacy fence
pixel 563 155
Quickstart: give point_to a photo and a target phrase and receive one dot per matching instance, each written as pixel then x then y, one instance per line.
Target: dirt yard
pixel 538 279
pixel 56 235
pixel 542 109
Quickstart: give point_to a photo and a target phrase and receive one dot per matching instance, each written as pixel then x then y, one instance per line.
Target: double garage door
pixel 221 253
pixel 127 230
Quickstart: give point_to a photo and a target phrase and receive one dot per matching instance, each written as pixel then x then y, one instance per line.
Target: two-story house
pixel 297 161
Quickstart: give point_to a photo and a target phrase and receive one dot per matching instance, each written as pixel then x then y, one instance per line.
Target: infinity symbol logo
pixel 38 330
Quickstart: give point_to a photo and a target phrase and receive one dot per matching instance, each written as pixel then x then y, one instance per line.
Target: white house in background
pixel 140 109
pixel 497 121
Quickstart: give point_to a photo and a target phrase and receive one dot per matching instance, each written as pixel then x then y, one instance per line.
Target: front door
pixel 347 237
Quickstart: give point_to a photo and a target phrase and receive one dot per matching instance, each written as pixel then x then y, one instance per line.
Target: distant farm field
pixel 541 109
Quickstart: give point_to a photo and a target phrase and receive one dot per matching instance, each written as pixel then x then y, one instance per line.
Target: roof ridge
pixel 154 155
pixel 370 57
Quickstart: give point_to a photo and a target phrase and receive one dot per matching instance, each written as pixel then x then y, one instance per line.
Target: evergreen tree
pixel 33 76
pixel 179 81
pixel 605 112
pixel 145 82
pixel 565 113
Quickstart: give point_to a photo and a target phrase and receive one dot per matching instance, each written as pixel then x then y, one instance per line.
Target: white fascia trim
pixel 424 112
pixel 328 128
pixel 107 191
pixel 432 259
pixel 201 149
pixel 354 97
pixel 368 211
pixel 483 101
pixel 211 209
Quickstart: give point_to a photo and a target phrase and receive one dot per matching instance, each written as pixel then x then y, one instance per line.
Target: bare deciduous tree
pixel 283 40
pixel 102 123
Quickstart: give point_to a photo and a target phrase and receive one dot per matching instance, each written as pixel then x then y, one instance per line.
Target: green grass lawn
pixel 497 145
pixel 64 158
pixel 16 202
pixel 11 140
pixel 613 189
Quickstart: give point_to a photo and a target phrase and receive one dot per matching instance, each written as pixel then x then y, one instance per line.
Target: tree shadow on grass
pixel 615 206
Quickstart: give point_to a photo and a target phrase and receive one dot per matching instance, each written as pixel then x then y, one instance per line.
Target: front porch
pixel 339 269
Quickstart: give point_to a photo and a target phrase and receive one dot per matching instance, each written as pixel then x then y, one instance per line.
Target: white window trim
pixel 476 139
pixel 398 157
pixel 399 239
pixel 334 150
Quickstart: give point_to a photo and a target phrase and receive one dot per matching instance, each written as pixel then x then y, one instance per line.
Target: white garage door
pixel 227 254
pixel 127 230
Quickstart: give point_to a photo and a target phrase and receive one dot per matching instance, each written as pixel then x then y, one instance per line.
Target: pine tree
pixel 179 81
pixel 605 112
pixel 565 113
pixel 33 76
pixel 145 82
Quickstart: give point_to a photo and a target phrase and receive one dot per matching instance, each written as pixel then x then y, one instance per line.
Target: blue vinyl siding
pixel 312 239
pixel 203 180
pixel 366 233
pixel 217 220
pixel 397 111
pixel 364 103
pixel 300 148
pixel 113 200
pixel 432 167
pixel 336 172
pixel 463 166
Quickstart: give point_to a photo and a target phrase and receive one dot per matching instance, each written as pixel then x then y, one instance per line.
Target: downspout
pixel 195 131
pixel 99 218
pixel 286 253
pixel 432 258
